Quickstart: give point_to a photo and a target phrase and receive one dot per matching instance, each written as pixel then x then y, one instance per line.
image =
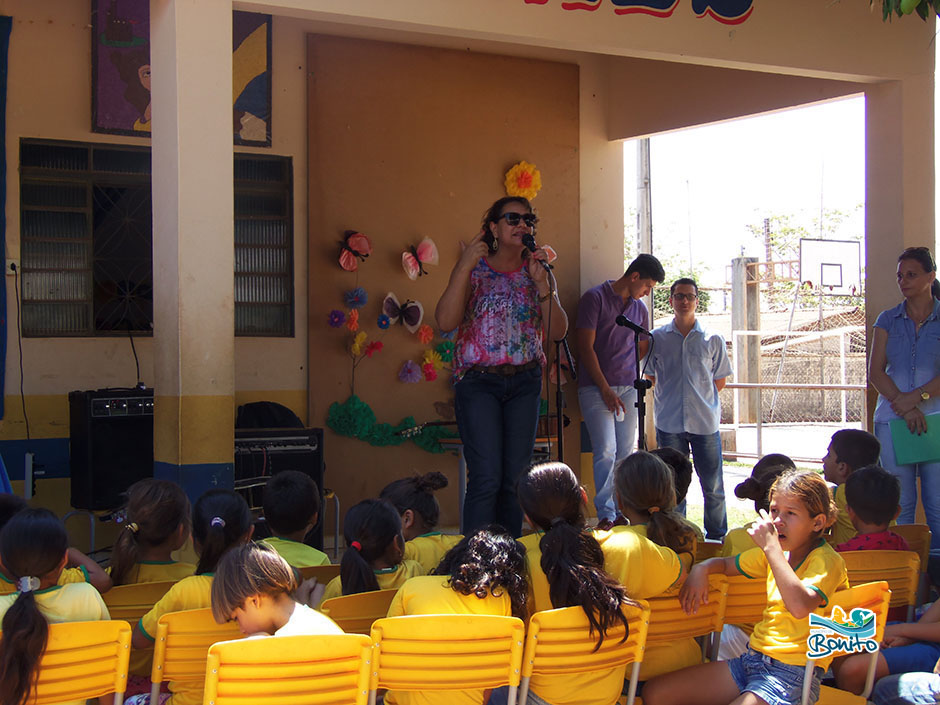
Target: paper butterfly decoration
pixel 414 258
pixel 409 314
pixel 356 247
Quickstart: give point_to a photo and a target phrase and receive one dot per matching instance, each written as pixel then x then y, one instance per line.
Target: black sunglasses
pixel 512 219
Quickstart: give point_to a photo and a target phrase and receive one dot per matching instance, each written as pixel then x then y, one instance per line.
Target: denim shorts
pixel 775 682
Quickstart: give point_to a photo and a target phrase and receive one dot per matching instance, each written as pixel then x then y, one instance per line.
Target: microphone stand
pixel 641 385
pixel 559 392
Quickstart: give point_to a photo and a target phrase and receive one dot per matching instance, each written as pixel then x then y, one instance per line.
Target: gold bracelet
pixel 543 299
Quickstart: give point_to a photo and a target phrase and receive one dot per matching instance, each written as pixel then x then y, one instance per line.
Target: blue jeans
pixel 706 459
pixel 907 689
pixel 611 441
pixel 907 475
pixel 497 418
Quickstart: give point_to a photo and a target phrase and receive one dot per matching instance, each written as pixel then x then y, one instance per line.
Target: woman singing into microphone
pixel 504 302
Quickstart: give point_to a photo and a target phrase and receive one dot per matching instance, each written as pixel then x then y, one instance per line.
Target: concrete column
pixel 899 185
pixel 745 315
pixel 193 242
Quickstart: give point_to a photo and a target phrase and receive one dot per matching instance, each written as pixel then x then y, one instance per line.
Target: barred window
pixel 87 241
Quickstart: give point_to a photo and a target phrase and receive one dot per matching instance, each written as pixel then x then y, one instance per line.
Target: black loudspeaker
pixel 262 452
pixel 110 444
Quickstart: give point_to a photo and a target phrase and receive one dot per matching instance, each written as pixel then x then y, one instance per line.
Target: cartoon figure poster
pixel 121 71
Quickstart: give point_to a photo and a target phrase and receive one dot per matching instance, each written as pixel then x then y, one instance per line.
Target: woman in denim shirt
pixel 905 369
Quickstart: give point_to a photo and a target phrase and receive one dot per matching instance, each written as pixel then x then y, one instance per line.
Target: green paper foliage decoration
pixel 355 419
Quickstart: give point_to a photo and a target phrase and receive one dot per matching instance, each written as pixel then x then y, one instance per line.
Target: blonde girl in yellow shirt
pixel 414 499
pixel 34 546
pixel 158 522
pixel 798 582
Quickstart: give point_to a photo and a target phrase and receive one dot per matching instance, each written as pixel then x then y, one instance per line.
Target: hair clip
pixel 653 509
pixel 217 521
pixel 356 545
pixel 132 527
pixel 27 583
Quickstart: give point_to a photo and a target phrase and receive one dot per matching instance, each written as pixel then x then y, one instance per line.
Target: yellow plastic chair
pixel 131 602
pixel 706 549
pixel 447 652
pixel 874 596
pixel 559 643
pixel 745 603
pixel 329 669
pixel 323 573
pixel 918 538
pixel 900 568
pixel 356 613
pixel 669 622
pixel 181 644
pixel 83 660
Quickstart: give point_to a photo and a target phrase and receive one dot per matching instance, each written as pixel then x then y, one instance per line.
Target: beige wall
pixel 408 142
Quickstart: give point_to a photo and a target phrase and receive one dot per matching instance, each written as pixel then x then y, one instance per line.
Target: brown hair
pixel 811 490
pixel 246 571
pixel 763 475
pixel 417 494
pixel 644 483
pixel 572 559
pixel 155 511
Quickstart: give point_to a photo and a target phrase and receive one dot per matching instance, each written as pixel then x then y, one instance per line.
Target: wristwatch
pixel 924 394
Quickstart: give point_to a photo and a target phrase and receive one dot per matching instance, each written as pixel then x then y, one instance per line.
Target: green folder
pixel 910 448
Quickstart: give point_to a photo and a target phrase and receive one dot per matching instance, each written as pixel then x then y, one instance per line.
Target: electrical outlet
pixel 12 264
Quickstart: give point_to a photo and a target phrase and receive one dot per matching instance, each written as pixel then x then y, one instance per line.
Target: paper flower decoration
pixel 425 334
pixel 430 374
pixel 384 322
pixel 336 319
pixel 432 357
pixel 358 342
pixel 446 350
pixel 409 373
pixel 523 180
pixel 352 323
pixel 374 347
pixel 355 298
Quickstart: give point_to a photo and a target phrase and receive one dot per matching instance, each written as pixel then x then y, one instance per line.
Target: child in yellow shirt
pixel 34 546
pixel 772 669
pixel 490 563
pixel 374 557
pixel 291 510
pixel 221 521
pixel 414 499
pixel 158 522
pixel 849 449
pixel 564 549
pixel 79 568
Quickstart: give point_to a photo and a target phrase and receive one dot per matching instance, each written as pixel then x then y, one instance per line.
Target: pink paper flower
pixel 430 374
pixel 373 347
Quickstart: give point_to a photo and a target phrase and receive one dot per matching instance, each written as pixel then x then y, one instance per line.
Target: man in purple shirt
pixel 607 371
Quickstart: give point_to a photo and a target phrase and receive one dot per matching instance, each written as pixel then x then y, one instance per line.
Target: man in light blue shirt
pixel 689 366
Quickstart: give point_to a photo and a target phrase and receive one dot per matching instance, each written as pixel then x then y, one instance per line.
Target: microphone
pixel 529 241
pixel 627 323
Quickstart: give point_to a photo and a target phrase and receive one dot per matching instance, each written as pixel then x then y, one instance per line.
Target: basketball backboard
pixel 833 267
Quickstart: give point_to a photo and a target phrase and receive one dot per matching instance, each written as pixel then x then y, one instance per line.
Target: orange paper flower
pixel 353 321
pixel 523 180
pixel 425 334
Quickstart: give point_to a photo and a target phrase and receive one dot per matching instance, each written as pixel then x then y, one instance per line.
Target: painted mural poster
pixel 121 71
pixel 725 11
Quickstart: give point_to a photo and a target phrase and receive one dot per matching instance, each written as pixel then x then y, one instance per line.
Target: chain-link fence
pixel 831 358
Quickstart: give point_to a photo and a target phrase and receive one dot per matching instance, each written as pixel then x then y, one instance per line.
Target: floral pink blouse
pixel 503 322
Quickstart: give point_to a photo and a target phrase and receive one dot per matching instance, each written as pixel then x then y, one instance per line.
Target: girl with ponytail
pixel 158 522
pixel 569 566
pixel 646 495
pixel 414 499
pixel 904 368
pixel 221 521
pixel 34 547
pixel 374 556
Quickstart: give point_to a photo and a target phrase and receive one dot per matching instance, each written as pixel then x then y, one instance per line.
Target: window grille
pixel 87 241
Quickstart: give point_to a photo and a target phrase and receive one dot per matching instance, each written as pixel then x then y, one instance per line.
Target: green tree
pixel 676 267
pixel 924 8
